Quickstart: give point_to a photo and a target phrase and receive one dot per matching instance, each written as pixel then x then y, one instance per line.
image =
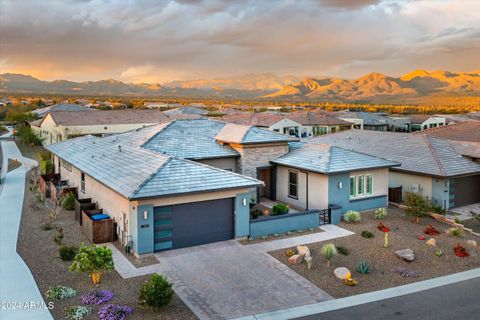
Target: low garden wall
pixel 304 220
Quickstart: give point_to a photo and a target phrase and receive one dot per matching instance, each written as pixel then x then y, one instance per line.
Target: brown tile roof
pixel 101 117
pixel 315 118
pixel 419 118
pixel 466 148
pixel 462 131
pixel 264 119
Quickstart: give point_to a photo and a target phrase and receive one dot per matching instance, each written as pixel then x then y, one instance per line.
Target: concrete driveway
pixel 226 280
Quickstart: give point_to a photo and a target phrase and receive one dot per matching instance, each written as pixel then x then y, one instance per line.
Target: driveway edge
pixel 363 298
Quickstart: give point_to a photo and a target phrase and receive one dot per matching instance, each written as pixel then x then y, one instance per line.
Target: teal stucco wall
pixel 440 193
pixel 284 223
pixel 242 215
pixel 144 227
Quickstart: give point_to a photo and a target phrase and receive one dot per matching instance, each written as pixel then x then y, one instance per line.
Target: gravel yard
pixel 383 261
pixel 37 248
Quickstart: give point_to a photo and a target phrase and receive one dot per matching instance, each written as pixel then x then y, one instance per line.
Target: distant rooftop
pixel 61 107
pixel 185 110
pixel 315 118
pixel 462 131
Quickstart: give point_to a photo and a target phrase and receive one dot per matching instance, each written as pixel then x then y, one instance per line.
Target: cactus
pixel 363 267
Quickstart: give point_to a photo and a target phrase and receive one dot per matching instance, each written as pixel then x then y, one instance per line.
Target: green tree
pixel 417 206
pixel 93 260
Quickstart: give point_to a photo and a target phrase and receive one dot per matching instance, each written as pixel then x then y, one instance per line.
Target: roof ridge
pixel 159 131
pixel 330 147
pixel 140 186
pixel 434 153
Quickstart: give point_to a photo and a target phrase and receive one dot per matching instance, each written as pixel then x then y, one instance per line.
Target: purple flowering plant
pixel 97 297
pixel 114 312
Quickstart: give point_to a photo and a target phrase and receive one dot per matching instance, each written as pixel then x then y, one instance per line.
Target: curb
pixel 364 298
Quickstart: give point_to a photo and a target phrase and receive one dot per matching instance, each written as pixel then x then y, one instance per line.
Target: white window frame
pixel 367 176
pixel 363 185
pixel 354 178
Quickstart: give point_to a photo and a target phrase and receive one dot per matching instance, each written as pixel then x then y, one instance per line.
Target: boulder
pixel 431 242
pixel 406 254
pixel 472 243
pixel 303 251
pixel 295 259
pixel 342 273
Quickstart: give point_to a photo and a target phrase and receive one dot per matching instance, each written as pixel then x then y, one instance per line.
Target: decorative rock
pixel 421 238
pixel 431 242
pixel 406 254
pixel 472 243
pixel 342 273
pixel 295 259
pixel 304 251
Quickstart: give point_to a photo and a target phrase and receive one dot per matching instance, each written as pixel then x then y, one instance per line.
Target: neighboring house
pixel 314 123
pixel 61 107
pixel 185 110
pixel 420 122
pixel 58 126
pixel 274 121
pixel 461 131
pixel 429 165
pixel 398 123
pixel 157 201
pixel 320 176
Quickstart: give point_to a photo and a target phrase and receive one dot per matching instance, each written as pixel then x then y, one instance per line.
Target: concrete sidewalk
pixel 19 293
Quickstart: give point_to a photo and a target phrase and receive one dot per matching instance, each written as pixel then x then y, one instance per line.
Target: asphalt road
pixel 459 301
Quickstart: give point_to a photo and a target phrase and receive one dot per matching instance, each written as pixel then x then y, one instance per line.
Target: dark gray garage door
pixel 191 224
pixel 467 190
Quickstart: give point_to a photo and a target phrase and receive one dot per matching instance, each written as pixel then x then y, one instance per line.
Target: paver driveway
pixel 226 280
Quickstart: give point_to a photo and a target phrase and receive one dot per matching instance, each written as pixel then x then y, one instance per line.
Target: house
pixel 274 121
pixel 314 123
pixel 58 126
pixel 461 131
pixel 325 176
pixel 60 107
pixel 158 201
pixel 186 110
pixel 421 122
pixel 429 165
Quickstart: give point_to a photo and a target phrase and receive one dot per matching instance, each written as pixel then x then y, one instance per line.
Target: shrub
pixel 352 216
pixel 457 220
pixel 343 251
pixel 114 312
pixel 430 230
pixel 77 312
pixel 93 260
pixel 58 235
pixel 405 273
pixel 455 232
pixel 156 293
pixel 60 292
pixel 97 297
pixel 280 209
pixel 27 136
pixel 45 160
pixel 46 226
pixel 67 253
pixel 363 267
pixel 290 253
pixel 328 251
pixel 460 251
pixel 367 234
pixel 68 201
pixel 381 213
pixel 417 206
pixel 439 253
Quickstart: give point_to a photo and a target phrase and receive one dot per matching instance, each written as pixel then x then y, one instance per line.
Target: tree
pixel 93 260
pixel 417 206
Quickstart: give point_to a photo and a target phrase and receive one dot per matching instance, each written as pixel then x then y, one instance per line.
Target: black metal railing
pixel 325 216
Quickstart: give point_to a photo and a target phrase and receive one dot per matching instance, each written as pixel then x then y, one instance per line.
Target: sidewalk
pixel 18 290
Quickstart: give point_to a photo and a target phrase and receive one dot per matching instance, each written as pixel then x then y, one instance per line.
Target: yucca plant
pixel 363 267
pixel 328 251
pixel 352 216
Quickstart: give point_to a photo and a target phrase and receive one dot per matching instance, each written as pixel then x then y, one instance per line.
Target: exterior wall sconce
pixel 244 202
pixel 145 215
pixel 340 185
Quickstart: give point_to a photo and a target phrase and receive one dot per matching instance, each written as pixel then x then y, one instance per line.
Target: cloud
pixel 160 41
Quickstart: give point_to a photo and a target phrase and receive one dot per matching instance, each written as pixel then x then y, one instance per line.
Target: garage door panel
pixel 466 190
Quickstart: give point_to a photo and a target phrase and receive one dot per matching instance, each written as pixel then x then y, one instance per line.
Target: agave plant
pixel 328 251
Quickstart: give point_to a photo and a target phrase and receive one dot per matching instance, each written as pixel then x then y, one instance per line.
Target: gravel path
pixel 37 248
pixel 383 261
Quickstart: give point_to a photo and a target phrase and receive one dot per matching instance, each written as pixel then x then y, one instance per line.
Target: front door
pixel 267 175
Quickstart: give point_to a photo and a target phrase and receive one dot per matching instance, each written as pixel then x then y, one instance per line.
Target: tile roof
pixel 467 148
pixel 315 118
pixel 185 110
pixel 263 119
pixel 462 131
pixel 62 107
pixel 135 172
pixel 419 118
pixel 418 153
pixel 327 159
pixel 105 117
pixel 235 133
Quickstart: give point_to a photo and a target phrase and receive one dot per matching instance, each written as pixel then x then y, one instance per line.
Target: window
pixel 360 184
pixel 353 188
pixel 293 184
pixel 66 165
pixel 368 184
pixel 82 182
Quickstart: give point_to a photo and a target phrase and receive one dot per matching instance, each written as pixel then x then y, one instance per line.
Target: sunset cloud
pixel 158 41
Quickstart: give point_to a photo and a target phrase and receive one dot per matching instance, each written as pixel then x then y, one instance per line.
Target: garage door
pixel 466 190
pixel 191 224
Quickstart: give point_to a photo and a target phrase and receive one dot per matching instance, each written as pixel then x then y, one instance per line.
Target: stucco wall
pixel 440 193
pixel 285 123
pixel 407 180
pixel 222 163
pixel 256 156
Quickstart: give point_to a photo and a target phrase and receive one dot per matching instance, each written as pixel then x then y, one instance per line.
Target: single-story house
pixel 157 201
pixel 274 121
pixel 61 107
pixel 461 131
pixel 321 176
pixel 421 122
pixel 314 123
pixel 58 126
pixel 429 165
pixel 185 110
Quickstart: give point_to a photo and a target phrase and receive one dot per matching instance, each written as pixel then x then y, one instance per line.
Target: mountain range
pixel 373 87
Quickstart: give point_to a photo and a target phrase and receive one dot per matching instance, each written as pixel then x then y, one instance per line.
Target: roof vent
pixel 119 148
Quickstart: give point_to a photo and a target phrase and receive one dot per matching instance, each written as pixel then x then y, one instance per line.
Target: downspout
pixel 306 188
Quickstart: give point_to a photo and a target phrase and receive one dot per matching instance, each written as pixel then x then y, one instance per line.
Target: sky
pixel 161 41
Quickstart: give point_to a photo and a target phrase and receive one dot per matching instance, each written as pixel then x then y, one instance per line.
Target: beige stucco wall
pixel 222 163
pixel 407 180
pixel 379 180
pixel 317 189
pixel 284 123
